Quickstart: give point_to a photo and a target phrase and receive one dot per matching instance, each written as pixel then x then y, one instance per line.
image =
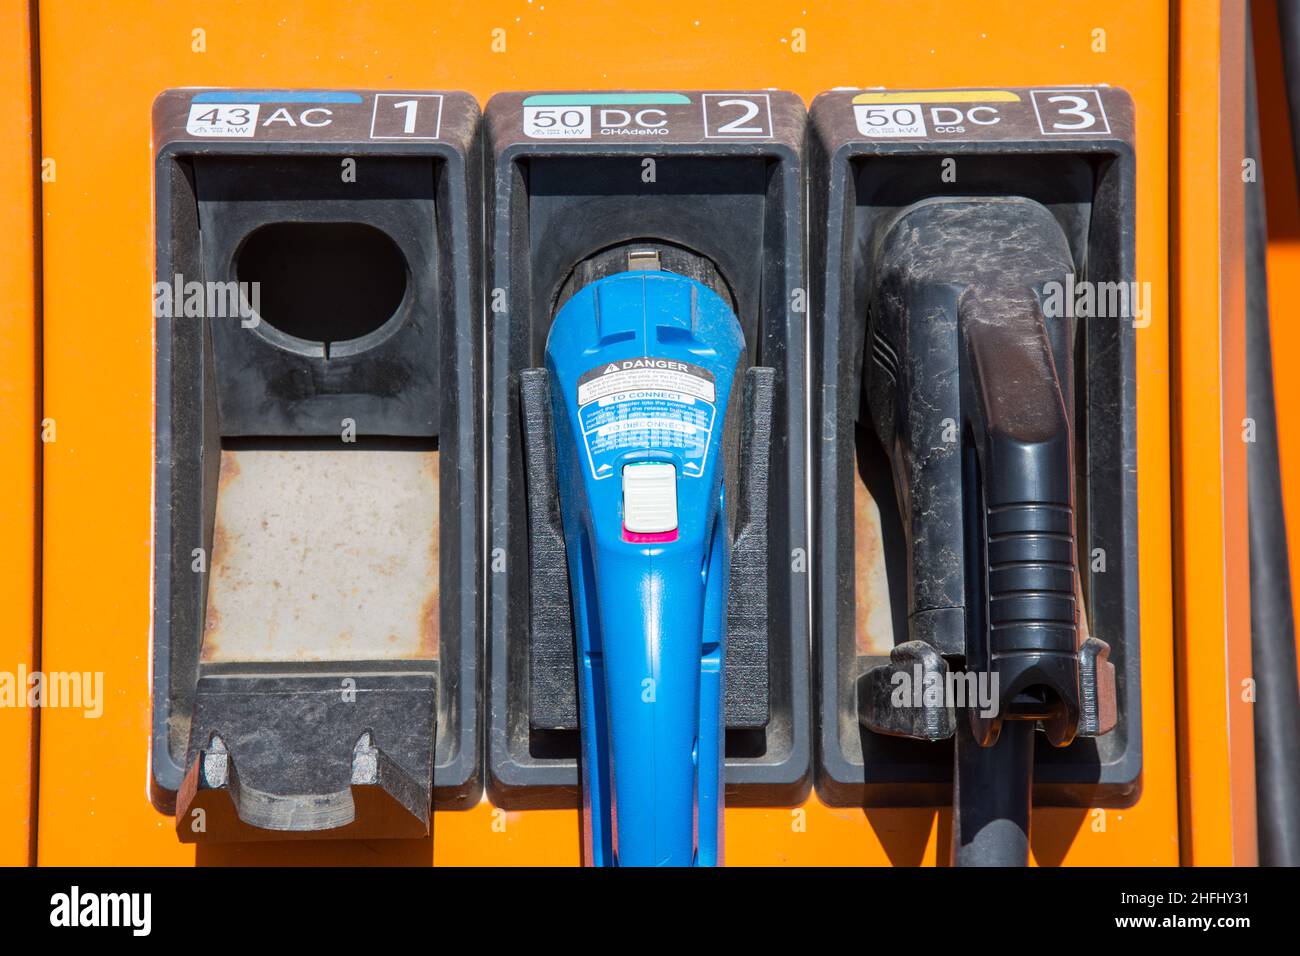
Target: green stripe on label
pixel 607 99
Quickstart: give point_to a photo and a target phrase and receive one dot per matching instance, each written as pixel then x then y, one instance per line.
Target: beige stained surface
pixel 324 556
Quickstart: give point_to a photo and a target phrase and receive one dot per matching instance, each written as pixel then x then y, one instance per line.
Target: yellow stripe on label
pixel 939 96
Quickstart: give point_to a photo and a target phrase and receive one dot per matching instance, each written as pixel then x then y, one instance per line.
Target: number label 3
pixel 1062 112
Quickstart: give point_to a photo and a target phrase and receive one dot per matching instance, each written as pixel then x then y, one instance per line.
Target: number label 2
pixel 737 115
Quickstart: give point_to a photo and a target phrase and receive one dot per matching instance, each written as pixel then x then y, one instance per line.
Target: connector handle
pixel 1015 412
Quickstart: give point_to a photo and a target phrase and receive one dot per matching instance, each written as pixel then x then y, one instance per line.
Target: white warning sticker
pixel 650 403
pixel 640 374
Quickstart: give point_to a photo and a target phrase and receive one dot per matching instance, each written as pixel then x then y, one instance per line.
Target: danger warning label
pixel 650 403
pixel 653 373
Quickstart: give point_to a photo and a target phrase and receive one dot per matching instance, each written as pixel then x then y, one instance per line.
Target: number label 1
pixel 406 116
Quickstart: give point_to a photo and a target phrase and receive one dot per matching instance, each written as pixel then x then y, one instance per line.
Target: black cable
pixel 1272 625
pixel 991 796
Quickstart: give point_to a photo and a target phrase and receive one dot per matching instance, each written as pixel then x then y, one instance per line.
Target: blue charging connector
pixel 642 366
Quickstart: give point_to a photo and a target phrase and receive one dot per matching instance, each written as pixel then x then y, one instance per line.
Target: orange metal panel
pixel 1215 734
pixel 101 68
pixel 19 431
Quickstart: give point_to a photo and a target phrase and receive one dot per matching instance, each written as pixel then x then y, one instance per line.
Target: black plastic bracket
pixel 552 666
pixel 276 758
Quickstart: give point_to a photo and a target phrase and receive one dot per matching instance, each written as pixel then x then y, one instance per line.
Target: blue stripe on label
pixel 274 96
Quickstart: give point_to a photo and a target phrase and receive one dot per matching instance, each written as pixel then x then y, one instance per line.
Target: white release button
pixel 650 498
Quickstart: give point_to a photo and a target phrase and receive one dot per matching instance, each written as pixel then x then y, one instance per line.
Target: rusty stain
pixel 866 543
pixel 873 623
pixel 1083 631
pixel 228 472
pixel 211 647
pixel 429 611
pixel 220 550
pixel 429 626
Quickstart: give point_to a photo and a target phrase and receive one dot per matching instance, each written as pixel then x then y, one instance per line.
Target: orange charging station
pixel 77 263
